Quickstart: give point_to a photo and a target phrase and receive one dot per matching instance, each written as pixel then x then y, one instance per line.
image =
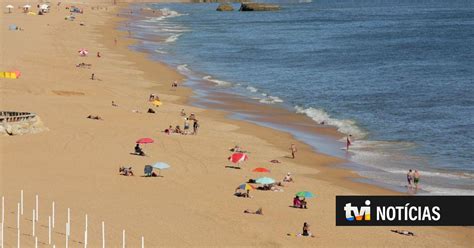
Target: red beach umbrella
pixel 145 141
pixel 238 157
pixel 261 169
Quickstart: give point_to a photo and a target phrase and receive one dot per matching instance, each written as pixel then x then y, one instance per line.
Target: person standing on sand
pixel 115 41
pixel 92 76
pixel 195 127
pixel 410 178
pixel 293 150
pixel 416 178
pixel 348 142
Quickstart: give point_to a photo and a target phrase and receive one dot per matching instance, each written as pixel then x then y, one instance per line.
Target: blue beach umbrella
pixel 265 180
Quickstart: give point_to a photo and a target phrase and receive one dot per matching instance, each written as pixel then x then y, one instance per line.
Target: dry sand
pixel 76 162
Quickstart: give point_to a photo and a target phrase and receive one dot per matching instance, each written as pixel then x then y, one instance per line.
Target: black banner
pixel 404 210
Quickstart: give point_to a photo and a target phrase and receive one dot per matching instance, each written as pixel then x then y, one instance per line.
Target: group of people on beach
pixel 186 127
pixel 413 178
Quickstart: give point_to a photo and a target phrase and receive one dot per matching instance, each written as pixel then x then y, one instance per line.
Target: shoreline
pixel 84 162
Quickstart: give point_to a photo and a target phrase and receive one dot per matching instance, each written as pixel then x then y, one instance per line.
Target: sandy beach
pixel 75 161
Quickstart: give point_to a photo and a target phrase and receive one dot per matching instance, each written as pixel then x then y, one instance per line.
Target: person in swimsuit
pixel 293 150
pixel 416 178
pixel 409 178
pixel 306 231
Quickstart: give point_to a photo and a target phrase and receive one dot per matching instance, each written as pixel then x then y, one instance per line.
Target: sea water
pixel 396 75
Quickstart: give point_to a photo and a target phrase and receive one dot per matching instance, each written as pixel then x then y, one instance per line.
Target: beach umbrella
pixel 261 169
pixel 26 6
pixel 161 166
pixel 305 194
pixel 246 186
pixel 145 141
pixel 265 180
pixel 44 6
pixel 157 103
pixel 238 157
pixel 9 7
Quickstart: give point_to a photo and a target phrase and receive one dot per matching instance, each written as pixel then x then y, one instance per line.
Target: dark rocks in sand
pixel 259 7
pixel 224 7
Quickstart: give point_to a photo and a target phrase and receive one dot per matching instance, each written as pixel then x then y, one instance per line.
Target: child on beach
pixel 293 150
pixel 259 211
pixel 288 178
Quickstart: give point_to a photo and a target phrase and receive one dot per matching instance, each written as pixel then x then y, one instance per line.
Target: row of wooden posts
pixel 51 225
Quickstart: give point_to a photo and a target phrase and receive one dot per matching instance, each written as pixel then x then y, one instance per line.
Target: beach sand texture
pixel 76 162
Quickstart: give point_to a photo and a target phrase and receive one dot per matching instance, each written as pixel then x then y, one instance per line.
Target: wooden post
pixel 67 238
pixel 143 242
pixel 103 234
pixel 53 208
pixel 21 201
pixel 37 208
pixel 68 224
pixel 85 233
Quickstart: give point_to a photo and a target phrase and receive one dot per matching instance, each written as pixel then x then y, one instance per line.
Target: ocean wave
pixel 251 89
pixel 160 51
pixel 172 38
pixel 270 100
pixel 343 126
pixel 183 68
pixel 217 81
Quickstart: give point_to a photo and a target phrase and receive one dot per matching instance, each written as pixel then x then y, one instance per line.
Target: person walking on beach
pixel 195 127
pixel 416 178
pixel 92 76
pixel 293 150
pixel 410 178
pixel 348 142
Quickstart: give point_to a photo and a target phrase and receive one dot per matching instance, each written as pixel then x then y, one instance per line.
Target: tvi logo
pixel 363 213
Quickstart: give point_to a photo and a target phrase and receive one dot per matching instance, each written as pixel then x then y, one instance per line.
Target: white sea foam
pixel 172 38
pixel 270 100
pixel 343 126
pixel 160 51
pixel 217 81
pixel 251 89
pixel 183 68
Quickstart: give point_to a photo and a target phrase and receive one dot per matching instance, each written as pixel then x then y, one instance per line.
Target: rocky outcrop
pixel 224 7
pixel 18 123
pixel 259 7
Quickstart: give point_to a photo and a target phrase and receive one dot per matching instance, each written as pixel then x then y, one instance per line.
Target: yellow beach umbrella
pixel 157 103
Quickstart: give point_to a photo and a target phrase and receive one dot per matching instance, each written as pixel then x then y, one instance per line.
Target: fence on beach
pixel 32 233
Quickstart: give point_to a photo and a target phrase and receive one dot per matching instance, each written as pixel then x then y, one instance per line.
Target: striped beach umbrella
pixel 246 186
pixel 305 194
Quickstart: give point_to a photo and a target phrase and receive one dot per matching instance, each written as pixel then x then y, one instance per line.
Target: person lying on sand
pixel 114 104
pixel 275 161
pixel 403 232
pixel 94 117
pixel 183 113
pixel 169 130
pixel 259 211
pixel 124 171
